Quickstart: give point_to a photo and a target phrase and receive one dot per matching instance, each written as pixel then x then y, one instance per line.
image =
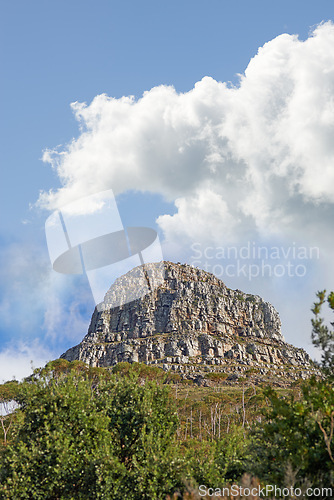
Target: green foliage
pixel 134 413
pixel 251 298
pixel 217 462
pixel 292 437
pixel 233 455
pixel 88 433
pixel 216 376
pixel 174 378
pixel 140 370
pixel 200 457
pixel 298 432
pixel 8 393
pixel 61 446
pixel 9 390
pixel 84 434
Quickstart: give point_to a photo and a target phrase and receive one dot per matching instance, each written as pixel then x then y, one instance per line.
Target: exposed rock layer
pixel 191 323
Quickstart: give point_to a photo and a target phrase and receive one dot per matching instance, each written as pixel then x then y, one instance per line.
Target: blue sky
pixel 57 53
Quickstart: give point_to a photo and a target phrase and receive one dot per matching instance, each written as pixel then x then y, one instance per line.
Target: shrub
pixel 82 438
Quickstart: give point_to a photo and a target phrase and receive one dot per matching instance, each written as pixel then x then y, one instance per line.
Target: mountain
pixel 190 323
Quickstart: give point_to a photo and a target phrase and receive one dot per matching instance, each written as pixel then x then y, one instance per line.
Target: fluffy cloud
pixel 191 220
pixel 251 162
pixel 18 361
pixel 261 150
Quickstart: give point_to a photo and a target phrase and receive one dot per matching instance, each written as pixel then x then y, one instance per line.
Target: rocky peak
pixel 187 322
pixel 189 301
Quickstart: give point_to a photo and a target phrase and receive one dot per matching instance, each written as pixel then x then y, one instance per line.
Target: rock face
pixel 191 323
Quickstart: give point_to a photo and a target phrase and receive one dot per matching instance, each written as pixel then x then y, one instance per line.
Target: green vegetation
pixel 216 376
pixel 251 298
pixel 75 432
pixel 293 435
pixel 85 433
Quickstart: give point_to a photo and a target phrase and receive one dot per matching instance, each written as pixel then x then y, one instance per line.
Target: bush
pixel 233 455
pixel 83 437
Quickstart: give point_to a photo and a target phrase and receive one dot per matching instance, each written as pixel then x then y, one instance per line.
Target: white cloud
pixel 252 162
pixel 257 147
pixel 18 360
pixel 191 220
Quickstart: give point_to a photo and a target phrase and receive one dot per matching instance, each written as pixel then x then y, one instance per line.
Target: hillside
pixel 190 324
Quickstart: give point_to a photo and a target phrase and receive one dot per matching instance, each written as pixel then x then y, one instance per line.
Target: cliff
pixel 192 324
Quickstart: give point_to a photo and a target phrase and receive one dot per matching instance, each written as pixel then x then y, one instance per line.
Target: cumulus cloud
pixel 261 149
pixel 18 360
pixel 253 161
pixel 193 214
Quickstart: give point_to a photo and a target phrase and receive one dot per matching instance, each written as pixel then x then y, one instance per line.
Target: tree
pixel 299 431
pixel 292 436
pixel 143 423
pixel 8 405
pixel 62 447
pixel 232 454
pixel 84 433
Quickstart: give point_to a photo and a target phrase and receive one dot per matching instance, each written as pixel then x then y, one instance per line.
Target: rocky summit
pixel 190 323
